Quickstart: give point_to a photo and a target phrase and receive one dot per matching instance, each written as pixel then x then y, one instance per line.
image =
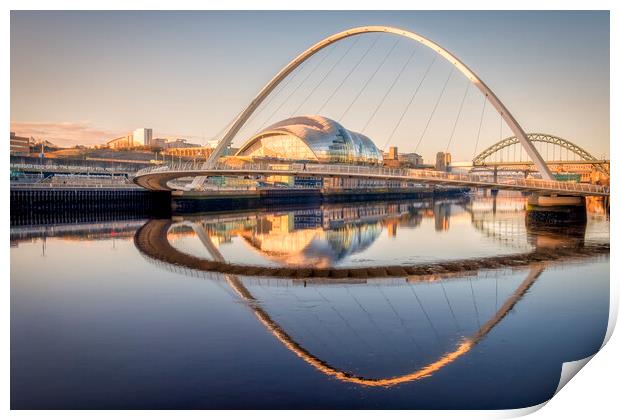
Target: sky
pixel 86 77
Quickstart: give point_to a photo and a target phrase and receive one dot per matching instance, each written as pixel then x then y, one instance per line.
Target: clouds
pixel 64 133
pixel 84 133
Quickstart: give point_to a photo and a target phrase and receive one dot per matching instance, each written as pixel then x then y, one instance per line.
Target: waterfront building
pixel 311 139
pixel 142 136
pixel 158 142
pixel 122 142
pixel 411 159
pixel 394 159
pixel 179 144
pixel 191 152
pixel 443 161
pixel 20 146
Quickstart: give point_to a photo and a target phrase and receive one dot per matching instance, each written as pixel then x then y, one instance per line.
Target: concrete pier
pixel 556 209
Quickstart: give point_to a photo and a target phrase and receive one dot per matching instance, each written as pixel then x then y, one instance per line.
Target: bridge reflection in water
pixel 371 327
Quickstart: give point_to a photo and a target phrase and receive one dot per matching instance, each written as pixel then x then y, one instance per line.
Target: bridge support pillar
pixel 556 209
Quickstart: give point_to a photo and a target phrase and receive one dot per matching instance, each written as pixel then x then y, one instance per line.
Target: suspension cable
pixel 399 317
pixel 445 295
pixel 443 89
pixel 298 86
pixel 484 104
pixel 349 74
pixel 272 97
pixel 400 73
pixel 458 115
pixel 369 80
pixel 400 119
pixel 473 295
pixel 326 75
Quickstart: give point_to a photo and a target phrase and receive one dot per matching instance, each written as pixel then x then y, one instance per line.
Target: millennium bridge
pixel 159 178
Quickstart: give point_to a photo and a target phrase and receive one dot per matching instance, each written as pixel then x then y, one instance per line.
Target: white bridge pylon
pixel 241 119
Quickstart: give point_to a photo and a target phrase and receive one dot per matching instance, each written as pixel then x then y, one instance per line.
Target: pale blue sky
pixel 78 77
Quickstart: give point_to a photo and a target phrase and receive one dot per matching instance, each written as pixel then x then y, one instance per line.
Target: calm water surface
pixel 100 321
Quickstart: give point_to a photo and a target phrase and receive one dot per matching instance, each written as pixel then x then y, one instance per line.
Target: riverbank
pixel 29 201
pixel 197 201
pixel 38 204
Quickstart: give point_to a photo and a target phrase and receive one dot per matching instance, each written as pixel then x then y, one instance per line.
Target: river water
pixel 302 307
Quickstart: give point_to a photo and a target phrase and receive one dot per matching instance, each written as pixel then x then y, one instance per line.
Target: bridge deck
pixel 157 178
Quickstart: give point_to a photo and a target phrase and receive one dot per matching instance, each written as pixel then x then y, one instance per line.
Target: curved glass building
pixel 312 139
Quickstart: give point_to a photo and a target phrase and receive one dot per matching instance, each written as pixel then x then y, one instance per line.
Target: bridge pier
pixel 556 209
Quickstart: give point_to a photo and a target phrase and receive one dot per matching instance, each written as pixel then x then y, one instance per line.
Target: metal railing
pixel 66 168
pixel 404 174
pixel 41 186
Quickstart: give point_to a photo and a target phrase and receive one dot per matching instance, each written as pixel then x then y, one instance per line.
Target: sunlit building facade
pixel 122 142
pixel 20 146
pixel 142 136
pixel 312 139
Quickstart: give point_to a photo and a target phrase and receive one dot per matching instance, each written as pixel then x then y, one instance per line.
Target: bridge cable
pixel 298 86
pixel 480 125
pixel 301 303
pixel 369 79
pixel 400 119
pixel 355 333
pixel 400 319
pixel 272 97
pixel 400 73
pixel 370 318
pixel 458 115
pixel 426 314
pixel 326 75
pixel 349 74
pixel 500 115
pixel 324 326
pixel 496 282
pixel 445 295
pixel 430 118
pixel 471 286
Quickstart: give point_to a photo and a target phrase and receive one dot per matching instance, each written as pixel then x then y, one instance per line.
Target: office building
pixel 443 161
pixel 142 136
pixel 122 142
pixel 20 146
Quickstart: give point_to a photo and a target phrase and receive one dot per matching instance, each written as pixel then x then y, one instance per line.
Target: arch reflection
pixel 152 241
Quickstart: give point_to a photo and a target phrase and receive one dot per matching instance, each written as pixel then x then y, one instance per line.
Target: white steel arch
pixel 459 65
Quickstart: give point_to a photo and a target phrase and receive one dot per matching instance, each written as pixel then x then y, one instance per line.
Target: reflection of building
pixel 20 146
pixel 290 239
pixel 143 136
pixel 311 139
pixel 442 216
pixel 319 236
pixel 443 161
